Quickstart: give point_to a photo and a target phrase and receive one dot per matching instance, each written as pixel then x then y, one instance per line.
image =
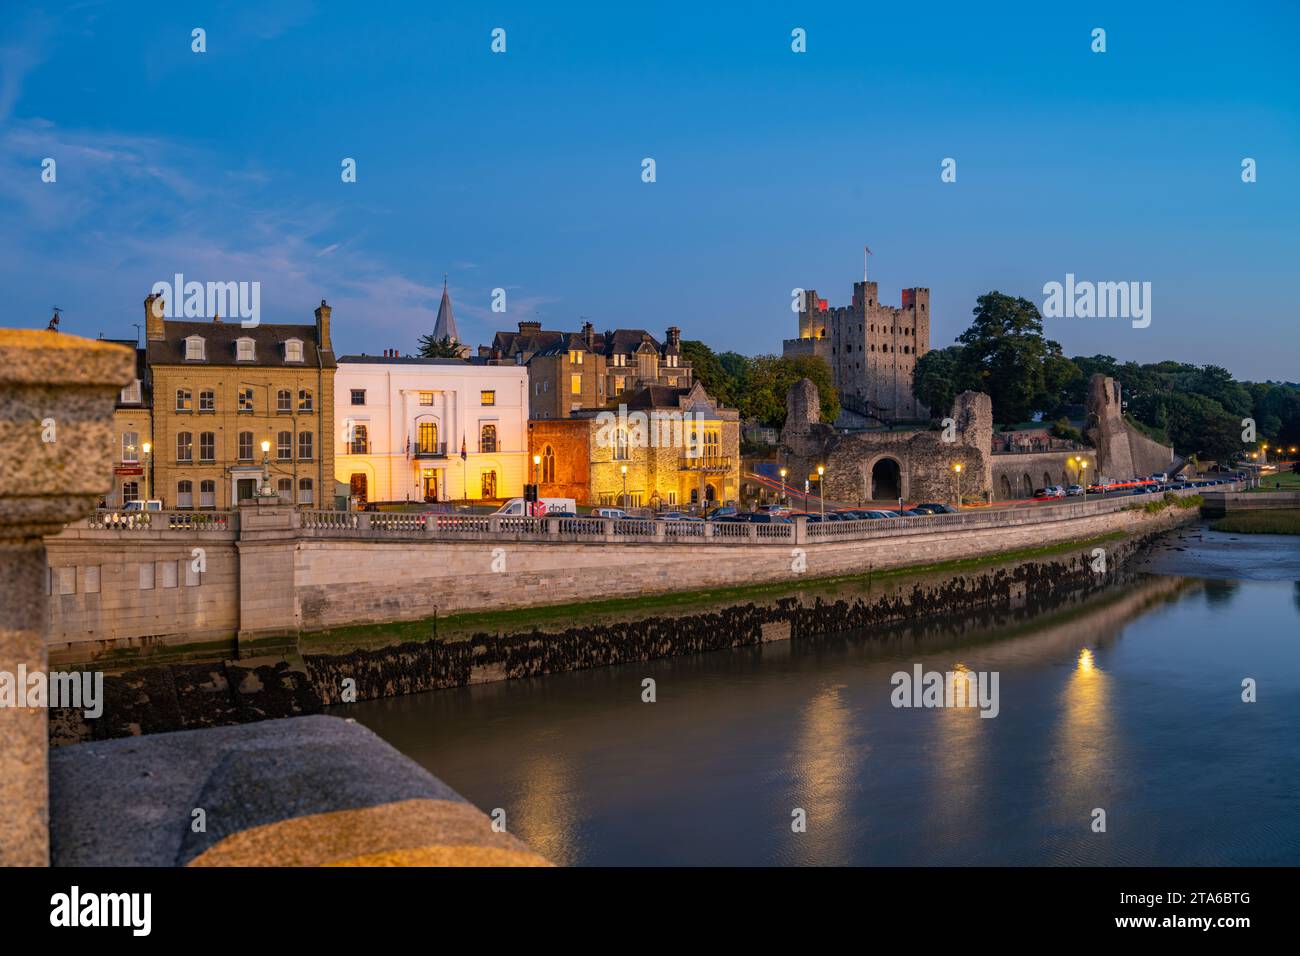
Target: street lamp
pixel 957 469
pixel 148 472
pixel 821 490
pixel 1083 468
pixel 623 468
pixel 537 460
pixel 266 470
pixel 782 486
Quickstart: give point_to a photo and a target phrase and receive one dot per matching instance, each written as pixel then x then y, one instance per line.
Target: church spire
pixel 445 327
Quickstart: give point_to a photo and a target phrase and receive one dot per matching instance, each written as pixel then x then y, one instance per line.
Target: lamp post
pixel 623 502
pixel 821 490
pixel 148 472
pixel 1083 477
pixel 266 470
pixel 957 468
pixel 532 505
pixel 782 486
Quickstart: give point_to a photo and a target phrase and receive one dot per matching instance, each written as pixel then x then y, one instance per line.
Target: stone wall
pixel 1018 476
pixel 1122 451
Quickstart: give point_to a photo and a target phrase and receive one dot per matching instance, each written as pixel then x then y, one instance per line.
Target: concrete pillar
pixel 56 459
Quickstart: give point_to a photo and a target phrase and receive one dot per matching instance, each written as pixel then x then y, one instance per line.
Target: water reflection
pixel 1127 700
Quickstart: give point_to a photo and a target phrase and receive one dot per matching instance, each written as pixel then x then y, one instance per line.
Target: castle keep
pixel 871 348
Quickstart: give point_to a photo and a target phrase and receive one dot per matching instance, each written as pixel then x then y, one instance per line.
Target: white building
pixel 402 424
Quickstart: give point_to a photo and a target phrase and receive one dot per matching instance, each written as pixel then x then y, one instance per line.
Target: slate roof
pixel 219 344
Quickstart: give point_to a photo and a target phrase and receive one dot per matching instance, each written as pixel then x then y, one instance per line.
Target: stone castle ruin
pixel 920 464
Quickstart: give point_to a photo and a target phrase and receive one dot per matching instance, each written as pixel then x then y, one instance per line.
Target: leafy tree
pixel 769 380
pixel 445 347
pixel 1006 354
pixel 937 379
pixel 709 372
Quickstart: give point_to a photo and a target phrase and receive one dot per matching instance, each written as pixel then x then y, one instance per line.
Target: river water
pixel 1130 703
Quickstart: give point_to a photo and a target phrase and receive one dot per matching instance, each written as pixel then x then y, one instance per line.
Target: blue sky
pixel 522 170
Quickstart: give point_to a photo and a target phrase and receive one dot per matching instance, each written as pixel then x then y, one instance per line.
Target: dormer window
pixel 194 351
pixel 293 350
pixel 245 350
pixel 620 360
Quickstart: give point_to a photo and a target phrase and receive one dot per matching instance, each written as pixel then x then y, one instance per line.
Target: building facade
pixel 223 393
pixel 402 424
pixel 639 453
pixel 133 435
pixel 572 371
pixel 871 348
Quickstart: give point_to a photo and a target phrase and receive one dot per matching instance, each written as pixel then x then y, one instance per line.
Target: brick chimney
pixel 323 328
pixel 674 336
pixel 154 328
pixel 589 335
pixel 525 327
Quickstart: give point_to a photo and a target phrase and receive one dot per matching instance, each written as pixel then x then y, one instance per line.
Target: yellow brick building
pixel 222 393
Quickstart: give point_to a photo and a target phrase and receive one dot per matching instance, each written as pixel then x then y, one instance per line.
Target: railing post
pixel 708 529
pixel 659 529
pixel 607 528
pixel 800 529
pixel 494 525
pixel 553 527
pixel 363 521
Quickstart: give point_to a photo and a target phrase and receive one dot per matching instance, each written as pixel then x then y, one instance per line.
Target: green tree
pixel 709 372
pixel 938 379
pixel 1006 354
pixel 770 379
pixel 445 347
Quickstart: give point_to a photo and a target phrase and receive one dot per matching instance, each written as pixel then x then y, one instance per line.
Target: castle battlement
pixel 871 348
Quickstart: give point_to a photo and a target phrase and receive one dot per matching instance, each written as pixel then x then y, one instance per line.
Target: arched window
pixel 360 444
pixel 184 400
pixel 207 494
pixel 283 446
pixel 621 451
pixel 207 400
pixel 548 464
pixel 207 446
pixel 285 490
pixel 487 442
pixel 184 446
pixel 304 446
pixel 284 400
pixel 304 399
pixel 184 494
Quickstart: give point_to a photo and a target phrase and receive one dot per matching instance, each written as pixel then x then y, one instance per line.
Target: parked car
pixel 1160 476
pixel 153 504
pixel 769 518
pixel 608 513
pixel 935 508
pixel 1074 491
pixel 548 507
pixel 1054 491
pixel 679 516
pixel 722 511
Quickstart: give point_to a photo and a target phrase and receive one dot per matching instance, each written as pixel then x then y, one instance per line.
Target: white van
pixel 543 506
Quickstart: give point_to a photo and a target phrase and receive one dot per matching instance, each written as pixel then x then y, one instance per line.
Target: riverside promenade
pixel 133 583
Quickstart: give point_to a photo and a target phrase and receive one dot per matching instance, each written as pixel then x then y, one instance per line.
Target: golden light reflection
pixel 1082 754
pixel 824 766
pixel 543 816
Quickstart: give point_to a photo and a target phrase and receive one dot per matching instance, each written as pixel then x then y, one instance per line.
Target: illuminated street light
pixel 957 468
pixel 623 469
pixel 821 492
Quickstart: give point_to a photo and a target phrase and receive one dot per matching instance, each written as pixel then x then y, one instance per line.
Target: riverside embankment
pixel 209 585
pixel 366 663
